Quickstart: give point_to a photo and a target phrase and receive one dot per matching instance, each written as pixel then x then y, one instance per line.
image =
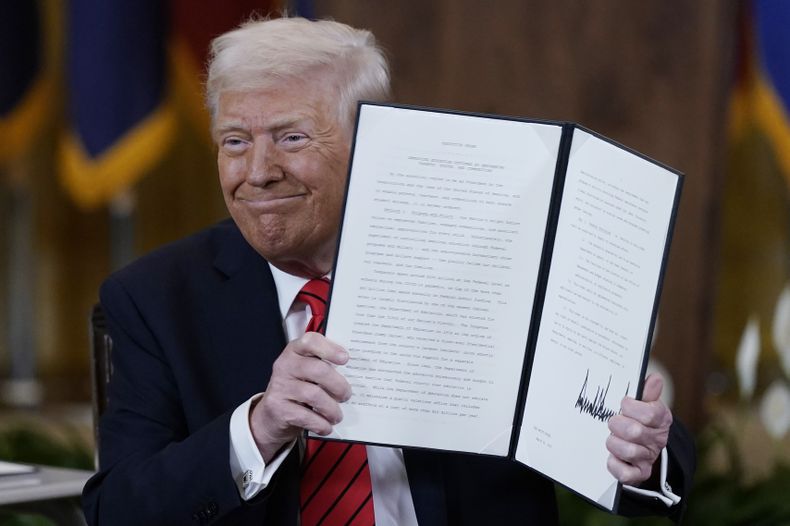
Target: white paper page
pixel 436 274
pixel 615 212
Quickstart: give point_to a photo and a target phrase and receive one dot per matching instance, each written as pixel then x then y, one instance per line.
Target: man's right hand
pixel 304 392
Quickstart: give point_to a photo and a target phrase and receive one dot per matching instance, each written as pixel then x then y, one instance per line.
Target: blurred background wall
pixel 105 156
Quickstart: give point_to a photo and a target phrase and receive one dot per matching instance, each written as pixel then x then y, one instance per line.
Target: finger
pixel 297 416
pixel 654 384
pixel 629 452
pixel 314 397
pixel 628 473
pixel 634 432
pixel 306 381
pixel 317 345
pixel 628 429
pixel 292 366
pixel 651 414
pixel 322 373
pixel 275 421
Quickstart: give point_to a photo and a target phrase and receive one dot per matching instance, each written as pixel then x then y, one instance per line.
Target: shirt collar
pixel 288 286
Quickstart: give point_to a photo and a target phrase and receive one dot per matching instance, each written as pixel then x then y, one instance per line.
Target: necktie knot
pixel 315 294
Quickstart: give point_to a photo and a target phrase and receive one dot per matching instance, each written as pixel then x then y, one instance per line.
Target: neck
pixel 302 269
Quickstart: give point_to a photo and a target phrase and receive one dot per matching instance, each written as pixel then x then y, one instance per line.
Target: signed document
pixel 496 285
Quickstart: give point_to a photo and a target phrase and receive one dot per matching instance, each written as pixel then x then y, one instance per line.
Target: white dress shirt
pixel 392 501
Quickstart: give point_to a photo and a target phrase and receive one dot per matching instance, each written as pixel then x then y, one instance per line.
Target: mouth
pixel 270 203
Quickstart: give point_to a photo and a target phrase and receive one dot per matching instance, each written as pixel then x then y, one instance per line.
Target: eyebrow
pixel 286 122
pixel 226 127
pixel 276 125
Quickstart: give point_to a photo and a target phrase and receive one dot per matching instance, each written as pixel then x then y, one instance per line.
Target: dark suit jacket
pixel 196 327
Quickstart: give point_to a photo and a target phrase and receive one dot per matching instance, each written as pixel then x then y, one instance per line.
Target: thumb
pixel 654 384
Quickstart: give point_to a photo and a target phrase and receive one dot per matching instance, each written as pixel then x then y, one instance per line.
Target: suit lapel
pixel 246 324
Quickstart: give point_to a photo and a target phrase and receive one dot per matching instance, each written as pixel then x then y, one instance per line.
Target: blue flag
pixel 121 124
pixel 772 18
pixel 762 96
pixel 25 89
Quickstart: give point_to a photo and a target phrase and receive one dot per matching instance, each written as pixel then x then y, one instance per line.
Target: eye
pixel 234 144
pixel 293 140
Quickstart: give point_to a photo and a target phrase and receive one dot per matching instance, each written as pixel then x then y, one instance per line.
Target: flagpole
pixel 122 208
pixel 21 388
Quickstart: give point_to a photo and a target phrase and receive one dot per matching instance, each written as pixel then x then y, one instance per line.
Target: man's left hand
pixel 638 434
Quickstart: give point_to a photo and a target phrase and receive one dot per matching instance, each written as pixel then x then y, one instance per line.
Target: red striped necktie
pixel 335 487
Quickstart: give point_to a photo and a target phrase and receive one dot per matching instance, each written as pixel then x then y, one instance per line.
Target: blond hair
pixel 261 53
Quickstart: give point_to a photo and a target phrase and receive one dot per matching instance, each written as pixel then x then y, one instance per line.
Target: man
pixel 204 326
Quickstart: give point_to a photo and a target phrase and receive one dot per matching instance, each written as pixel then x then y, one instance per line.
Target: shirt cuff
pixel 665 494
pixel 250 473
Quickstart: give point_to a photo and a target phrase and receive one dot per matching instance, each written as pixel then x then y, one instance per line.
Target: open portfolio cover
pixel 496 285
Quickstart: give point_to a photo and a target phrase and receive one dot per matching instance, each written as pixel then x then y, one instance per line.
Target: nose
pixel 265 163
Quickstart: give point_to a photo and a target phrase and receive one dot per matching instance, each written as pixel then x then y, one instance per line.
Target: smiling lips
pixel 270 203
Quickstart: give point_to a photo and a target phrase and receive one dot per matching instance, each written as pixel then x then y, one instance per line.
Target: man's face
pixel 282 161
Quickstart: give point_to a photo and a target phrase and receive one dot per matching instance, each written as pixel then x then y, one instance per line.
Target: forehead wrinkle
pixel 270 123
pixel 286 121
pixel 223 127
pixel 253 116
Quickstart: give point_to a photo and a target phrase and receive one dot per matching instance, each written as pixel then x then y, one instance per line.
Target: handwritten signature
pixel 596 407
